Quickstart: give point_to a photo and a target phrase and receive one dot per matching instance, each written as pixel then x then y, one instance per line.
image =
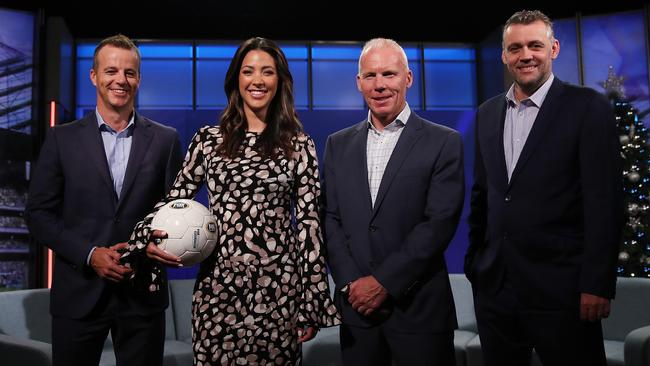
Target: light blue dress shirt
pixel 117 146
pixel 520 117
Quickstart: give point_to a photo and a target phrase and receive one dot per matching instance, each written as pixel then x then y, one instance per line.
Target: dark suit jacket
pixel 556 226
pixel 72 206
pixel 402 240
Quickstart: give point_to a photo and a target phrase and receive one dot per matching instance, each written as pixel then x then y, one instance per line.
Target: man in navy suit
pixel 95 179
pixel 546 209
pixel 394 192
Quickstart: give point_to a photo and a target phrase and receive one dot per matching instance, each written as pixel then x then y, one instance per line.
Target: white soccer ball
pixel 192 231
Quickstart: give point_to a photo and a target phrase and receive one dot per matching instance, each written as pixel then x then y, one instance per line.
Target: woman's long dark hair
pixel 282 122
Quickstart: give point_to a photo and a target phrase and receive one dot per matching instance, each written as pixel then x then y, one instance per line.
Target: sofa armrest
pixel 637 347
pixel 21 352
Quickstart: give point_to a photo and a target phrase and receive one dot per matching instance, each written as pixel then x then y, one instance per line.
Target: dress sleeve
pixel 316 306
pixel 147 273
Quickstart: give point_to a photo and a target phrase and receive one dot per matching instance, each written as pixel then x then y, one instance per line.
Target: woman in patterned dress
pixel 264 289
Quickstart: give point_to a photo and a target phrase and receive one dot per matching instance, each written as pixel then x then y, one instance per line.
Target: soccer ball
pixel 192 231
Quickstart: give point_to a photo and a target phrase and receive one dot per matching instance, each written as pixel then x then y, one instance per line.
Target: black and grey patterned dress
pixel 267 275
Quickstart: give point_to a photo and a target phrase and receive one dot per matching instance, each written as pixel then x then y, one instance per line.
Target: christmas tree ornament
pixel 633 136
pixel 623 256
pixel 633 177
pixel 633 209
pixel 624 139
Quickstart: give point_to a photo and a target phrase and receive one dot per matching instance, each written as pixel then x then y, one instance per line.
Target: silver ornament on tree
pixel 634 223
pixel 624 139
pixel 633 176
pixel 633 209
pixel 623 256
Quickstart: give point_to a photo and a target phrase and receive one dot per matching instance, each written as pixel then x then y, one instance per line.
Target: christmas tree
pixel 634 253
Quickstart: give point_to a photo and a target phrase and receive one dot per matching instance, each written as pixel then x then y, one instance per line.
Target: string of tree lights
pixel 634 253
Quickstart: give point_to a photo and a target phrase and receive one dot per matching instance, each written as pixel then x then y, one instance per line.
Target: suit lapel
pixel 93 146
pixel 404 145
pixel 542 122
pixel 141 139
pixel 494 149
pixel 359 161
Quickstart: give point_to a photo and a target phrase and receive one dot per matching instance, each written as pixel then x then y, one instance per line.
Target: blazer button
pixel 117 221
pixel 373 228
pixel 508 198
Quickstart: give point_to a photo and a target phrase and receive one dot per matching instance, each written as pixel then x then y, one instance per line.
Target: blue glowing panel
pixel 216 51
pixel 210 76
pixel 166 84
pixel 449 54
pixel 86 92
pixel 82 111
pixel 412 53
pixel 299 72
pixel 334 71
pixel 617 40
pixel 148 50
pixel 450 84
pixel 295 52
pixel 565 66
pixel 86 50
pixel 338 52
pixel 414 94
pixel 335 85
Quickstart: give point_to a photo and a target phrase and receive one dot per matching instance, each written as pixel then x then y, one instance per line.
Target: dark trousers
pixel 377 347
pixel 509 331
pixel 137 339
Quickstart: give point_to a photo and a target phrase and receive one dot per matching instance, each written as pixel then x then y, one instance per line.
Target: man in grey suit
pixel 394 192
pixel 95 179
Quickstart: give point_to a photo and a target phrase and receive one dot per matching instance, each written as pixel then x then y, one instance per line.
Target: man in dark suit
pixel 95 179
pixel 546 209
pixel 394 192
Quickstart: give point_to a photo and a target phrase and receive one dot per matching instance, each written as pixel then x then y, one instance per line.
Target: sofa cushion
pixel 170 326
pixel 26 314
pixel 324 349
pixel 473 352
pixel 614 353
pixel 181 300
pixel 464 300
pixel 629 308
pixel 461 338
pixel 176 354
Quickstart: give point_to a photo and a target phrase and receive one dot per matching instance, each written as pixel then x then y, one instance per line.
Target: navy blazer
pixel 556 226
pixel 402 240
pixel 72 206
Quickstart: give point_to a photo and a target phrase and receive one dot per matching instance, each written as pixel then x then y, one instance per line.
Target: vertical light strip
pixel 50 259
pixel 50 255
pixel 52 113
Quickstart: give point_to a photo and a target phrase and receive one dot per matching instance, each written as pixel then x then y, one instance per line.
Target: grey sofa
pixel 25 329
pixel 626 331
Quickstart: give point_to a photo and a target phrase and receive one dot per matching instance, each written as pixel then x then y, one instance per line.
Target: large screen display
pixel 16 68
pixel 17 134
